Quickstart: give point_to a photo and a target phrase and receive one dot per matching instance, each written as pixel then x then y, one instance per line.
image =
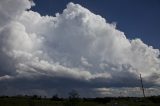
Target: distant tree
pixel 73 94
pixel 74 98
pixel 35 96
pixel 55 97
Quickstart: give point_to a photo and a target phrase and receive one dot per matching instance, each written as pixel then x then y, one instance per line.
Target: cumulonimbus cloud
pixel 76 44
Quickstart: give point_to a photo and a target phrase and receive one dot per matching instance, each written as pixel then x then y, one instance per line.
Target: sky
pixel 98 48
pixel 136 18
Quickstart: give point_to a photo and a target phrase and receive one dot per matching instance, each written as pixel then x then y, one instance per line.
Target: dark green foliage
pixel 155 99
pixel 75 100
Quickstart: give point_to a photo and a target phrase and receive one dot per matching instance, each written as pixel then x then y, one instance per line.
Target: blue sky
pixel 136 18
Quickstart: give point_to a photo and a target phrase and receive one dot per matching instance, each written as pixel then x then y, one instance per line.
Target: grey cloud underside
pixel 75 49
pixel 61 86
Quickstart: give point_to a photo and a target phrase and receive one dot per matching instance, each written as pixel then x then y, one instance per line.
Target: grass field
pixel 35 101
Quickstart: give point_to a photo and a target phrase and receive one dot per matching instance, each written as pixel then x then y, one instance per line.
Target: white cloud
pixel 125 91
pixel 5 77
pixel 85 62
pixel 9 9
pixel 75 44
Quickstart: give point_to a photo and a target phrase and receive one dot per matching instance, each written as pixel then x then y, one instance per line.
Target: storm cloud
pixel 75 49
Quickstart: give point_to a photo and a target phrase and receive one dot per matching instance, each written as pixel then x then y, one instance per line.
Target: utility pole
pixel 142 86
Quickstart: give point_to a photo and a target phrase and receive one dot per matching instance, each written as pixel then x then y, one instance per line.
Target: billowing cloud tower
pixel 74 49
